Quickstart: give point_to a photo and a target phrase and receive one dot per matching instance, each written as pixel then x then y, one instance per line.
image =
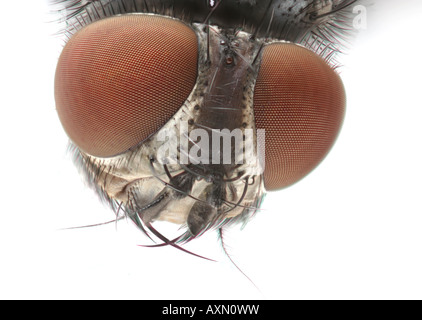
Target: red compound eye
pixel 299 100
pixel 120 79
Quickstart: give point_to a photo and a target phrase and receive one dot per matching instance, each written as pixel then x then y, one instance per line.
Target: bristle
pixel 171 243
pixel 223 245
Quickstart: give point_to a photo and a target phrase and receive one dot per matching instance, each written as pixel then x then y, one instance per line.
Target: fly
pixel 190 111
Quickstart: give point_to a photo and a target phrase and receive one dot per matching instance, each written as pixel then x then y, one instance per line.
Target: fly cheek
pixel 120 79
pixel 299 100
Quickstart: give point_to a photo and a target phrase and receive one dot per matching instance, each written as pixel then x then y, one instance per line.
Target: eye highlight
pixel 299 100
pixel 120 79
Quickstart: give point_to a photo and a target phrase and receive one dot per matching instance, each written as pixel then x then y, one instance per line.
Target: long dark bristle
pixel 171 243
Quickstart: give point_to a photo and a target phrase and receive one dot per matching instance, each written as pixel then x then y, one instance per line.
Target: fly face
pixel 189 111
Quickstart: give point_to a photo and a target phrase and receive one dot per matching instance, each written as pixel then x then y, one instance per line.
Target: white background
pixel 350 230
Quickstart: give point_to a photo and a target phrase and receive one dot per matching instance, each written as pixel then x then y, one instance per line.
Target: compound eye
pixel 300 101
pixel 120 79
